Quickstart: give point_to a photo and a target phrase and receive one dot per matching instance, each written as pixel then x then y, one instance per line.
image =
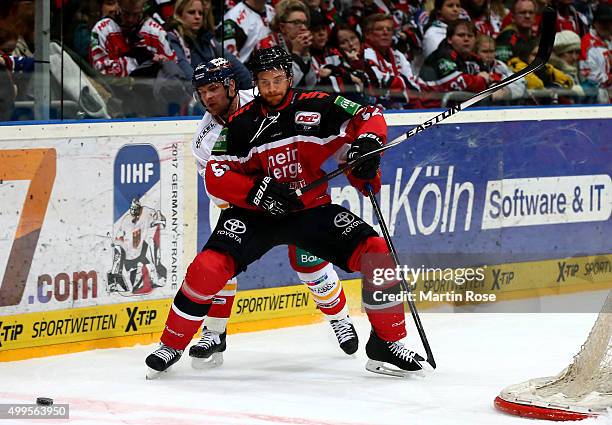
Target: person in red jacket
pixel 453 66
pixel 272 146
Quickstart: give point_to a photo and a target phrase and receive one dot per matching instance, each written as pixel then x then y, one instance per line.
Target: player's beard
pixel 275 99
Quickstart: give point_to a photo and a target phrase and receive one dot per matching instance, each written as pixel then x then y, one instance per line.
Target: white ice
pixel 298 375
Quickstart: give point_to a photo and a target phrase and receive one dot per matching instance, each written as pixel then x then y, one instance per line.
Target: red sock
pixel 206 276
pixel 387 319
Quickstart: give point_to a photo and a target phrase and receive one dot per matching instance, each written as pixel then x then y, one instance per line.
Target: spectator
pixel 244 26
pixel 453 66
pixel 19 68
pixel 324 57
pixel 8 89
pixel 23 22
pixel 407 38
pixel 334 74
pixel 165 8
pixel 291 32
pixel 565 56
pixel 485 50
pixel 389 71
pixel 346 40
pixel 519 33
pixel 568 18
pixel 88 13
pixel 191 37
pixel 444 11
pixel 326 9
pixel 547 77
pixel 120 45
pixel 596 56
pixel 486 15
pixel 208 17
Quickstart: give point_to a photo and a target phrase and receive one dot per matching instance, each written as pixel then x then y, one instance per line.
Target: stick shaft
pixel 413 310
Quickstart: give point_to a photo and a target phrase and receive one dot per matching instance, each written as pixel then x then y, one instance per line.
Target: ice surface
pixel 299 375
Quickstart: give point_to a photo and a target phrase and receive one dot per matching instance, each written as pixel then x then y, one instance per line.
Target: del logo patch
pixel 307 118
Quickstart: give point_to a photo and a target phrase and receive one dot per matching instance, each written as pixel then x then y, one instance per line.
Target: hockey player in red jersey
pixel 215 87
pixel 271 147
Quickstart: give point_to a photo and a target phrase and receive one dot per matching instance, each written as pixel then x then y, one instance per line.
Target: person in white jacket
pixel 444 11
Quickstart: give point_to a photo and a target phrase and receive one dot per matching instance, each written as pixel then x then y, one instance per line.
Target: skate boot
pixel 346 334
pixel 208 351
pixel 161 360
pixel 380 352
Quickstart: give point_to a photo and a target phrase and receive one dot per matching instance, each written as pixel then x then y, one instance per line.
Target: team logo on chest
pixel 309 118
pixel 307 121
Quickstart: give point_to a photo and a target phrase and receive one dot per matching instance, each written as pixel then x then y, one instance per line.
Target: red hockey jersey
pixel 289 144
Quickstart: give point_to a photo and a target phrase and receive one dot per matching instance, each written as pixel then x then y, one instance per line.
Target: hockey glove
pixel 365 143
pixel 277 199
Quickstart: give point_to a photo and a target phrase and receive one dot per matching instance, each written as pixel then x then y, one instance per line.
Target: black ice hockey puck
pixel 44 401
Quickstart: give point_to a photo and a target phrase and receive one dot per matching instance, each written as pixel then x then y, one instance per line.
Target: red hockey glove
pixel 275 198
pixel 359 184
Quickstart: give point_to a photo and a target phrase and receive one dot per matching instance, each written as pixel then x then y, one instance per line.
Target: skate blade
pixel 382 369
pixel 155 374
pixel 215 360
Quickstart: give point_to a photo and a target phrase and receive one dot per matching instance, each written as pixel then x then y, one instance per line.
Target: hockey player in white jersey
pixel 215 87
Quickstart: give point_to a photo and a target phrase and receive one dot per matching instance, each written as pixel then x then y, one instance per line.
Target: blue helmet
pixel 218 70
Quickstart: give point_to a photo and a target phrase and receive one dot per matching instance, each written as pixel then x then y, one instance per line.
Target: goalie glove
pixel 275 198
pixel 364 144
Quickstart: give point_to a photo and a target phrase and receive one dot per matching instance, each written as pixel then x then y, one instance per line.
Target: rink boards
pixel 526 192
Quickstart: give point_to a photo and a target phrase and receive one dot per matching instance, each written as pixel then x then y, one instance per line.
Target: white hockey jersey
pixel 244 28
pixel 205 137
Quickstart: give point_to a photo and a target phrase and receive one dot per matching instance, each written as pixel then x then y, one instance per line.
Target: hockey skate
pixel 208 351
pixel 381 352
pixel 346 334
pixel 161 360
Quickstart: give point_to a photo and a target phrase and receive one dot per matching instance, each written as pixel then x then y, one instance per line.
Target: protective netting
pixel 585 385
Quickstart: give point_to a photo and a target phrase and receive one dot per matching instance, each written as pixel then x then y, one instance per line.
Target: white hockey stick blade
pixel 215 360
pixel 382 369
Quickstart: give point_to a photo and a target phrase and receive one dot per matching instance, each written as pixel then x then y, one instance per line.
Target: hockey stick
pixel 549 18
pixel 405 287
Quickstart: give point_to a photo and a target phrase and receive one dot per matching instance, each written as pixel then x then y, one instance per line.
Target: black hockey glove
pixel 365 143
pixel 277 199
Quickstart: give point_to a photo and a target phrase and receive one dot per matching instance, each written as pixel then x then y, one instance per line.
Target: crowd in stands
pixel 403 54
